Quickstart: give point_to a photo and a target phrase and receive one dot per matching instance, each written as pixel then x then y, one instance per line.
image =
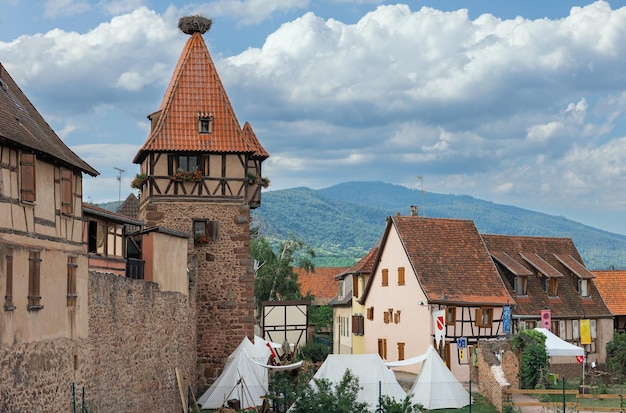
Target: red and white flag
pixel 580 359
pixel 439 323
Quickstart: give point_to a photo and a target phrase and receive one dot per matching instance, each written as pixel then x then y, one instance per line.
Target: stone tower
pixel 201 174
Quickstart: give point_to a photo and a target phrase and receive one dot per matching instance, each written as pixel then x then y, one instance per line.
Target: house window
pixel 552 287
pixel 67 196
pixel 341 293
pixel 34 268
pixel 385 277
pixel 400 351
pixel 396 317
pixel 183 163
pixel 205 123
pixel 27 177
pixel 71 281
pixel 382 348
pixel 8 297
pixel 205 231
pixel 521 285
pixel 484 317
pixel 358 325
pixel 355 286
pixel 583 287
pixel 450 315
pixel 400 275
pixel 370 313
pixel 115 241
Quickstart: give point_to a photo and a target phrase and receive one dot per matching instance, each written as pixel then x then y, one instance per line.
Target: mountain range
pixel 342 222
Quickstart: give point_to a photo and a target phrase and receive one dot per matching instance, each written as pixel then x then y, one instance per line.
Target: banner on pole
pixel 439 322
pixel 585 331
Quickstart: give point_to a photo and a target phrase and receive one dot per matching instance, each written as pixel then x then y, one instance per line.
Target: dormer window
pixel 552 286
pixel 205 123
pixel 521 285
pixel 583 287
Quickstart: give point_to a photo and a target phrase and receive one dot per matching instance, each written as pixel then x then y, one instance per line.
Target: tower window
pixel 205 123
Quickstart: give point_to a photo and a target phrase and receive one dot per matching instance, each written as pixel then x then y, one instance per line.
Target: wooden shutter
pixel 355 286
pixel 27 175
pixel 400 275
pixel 400 351
pixel 386 317
pixel 385 277
pixel 67 196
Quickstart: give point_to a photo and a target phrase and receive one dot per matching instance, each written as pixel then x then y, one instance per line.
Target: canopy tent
pixel 241 379
pixel 555 346
pixel 435 386
pixel 369 369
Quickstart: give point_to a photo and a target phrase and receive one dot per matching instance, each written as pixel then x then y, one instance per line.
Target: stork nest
pixel 194 24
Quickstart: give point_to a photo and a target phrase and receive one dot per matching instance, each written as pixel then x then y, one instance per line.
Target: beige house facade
pixel 425 266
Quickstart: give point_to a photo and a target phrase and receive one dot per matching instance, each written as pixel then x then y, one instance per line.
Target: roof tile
pixel 320 283
pixel 612 287
pixel 196 90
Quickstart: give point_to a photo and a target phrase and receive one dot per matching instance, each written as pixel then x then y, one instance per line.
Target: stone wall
pixel 223 273
pixel 138 336
pixel 495 377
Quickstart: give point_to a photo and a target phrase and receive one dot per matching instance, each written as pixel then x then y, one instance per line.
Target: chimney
pixel 414 211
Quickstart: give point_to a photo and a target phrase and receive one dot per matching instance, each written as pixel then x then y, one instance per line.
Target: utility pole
pixel 119 180
pixel 421 179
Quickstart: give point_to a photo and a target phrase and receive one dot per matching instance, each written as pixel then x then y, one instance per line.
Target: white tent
pixel 436 387
pixel 241 379
pixel 369 369
pixel 555 346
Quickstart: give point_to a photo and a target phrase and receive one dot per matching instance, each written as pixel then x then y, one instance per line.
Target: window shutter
pixel 355 286
pixel 400 275
pixel 27 171
pixel 67 203
pixel 386 318
pixel 385 277
pixel 170 165
pixel 361 325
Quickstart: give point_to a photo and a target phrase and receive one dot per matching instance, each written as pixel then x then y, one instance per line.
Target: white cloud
pixel 249 12
pixel 57 8
pixel 115 7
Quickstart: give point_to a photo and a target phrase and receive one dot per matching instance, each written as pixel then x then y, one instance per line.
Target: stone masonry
pixel 223 275
pixel 138 336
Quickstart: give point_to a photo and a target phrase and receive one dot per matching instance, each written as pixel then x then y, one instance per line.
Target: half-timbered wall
pixel 222 176
pixel 43 268
pixel 399 320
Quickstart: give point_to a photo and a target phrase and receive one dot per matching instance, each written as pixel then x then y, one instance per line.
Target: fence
pixel 569 400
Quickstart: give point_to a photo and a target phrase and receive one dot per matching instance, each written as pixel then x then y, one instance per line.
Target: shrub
pixel 323 397
pixel 315 352
pixel 534 358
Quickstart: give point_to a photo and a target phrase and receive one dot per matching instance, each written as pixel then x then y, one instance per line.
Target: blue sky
pixel 521 103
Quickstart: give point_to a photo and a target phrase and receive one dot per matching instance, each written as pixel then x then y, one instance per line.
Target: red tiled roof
pixel 450 260
pixel 321 283
pixel 22 125
pixel 569 303
pixel 195 91
pixel 612 287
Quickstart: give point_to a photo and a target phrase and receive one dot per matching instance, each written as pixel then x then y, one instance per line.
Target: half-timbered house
pixel 547 278
pixel 427 265
pixel 43 267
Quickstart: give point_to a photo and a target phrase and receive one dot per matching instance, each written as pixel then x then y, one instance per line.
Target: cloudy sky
pixel 521 103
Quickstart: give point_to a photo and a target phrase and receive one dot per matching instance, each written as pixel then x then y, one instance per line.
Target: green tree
pixel 321 316
pixel 275 278
pixel 616 354
pixel 390 405
pixel 534 358
pixel 321 396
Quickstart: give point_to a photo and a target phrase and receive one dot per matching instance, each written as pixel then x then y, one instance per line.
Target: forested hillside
pixel 342 222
